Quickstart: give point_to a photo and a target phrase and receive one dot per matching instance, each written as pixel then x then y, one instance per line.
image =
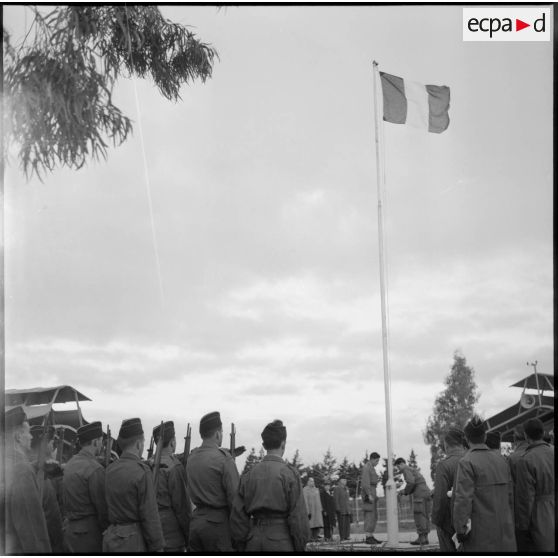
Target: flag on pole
pixel 415 104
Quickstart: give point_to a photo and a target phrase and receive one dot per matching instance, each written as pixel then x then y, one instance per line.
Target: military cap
pixel 168 433
pixel 15 417
pixel 475 428
pixel 90 431
pixel 454 436
pixel 493 440
pixel 209 422
pixel 130 428
pixel 273 434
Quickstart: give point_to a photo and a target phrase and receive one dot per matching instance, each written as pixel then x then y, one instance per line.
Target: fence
pixel 404 511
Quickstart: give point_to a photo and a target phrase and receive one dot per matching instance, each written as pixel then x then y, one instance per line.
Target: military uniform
pixel 25 528
pixel 132 506
pixel 269 512
pixel 483 493
pixel 173 503
pixel 535 496
pixel 84 503
pixel 369 482
pixel 422 501
pixel 515 456
pixel 212 484
pixel 441 503
pixel 328 511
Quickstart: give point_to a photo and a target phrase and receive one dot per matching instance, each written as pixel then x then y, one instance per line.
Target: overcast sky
pixel 263 183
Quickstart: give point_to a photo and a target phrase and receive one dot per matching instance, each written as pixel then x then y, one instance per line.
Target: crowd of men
pixel 481 500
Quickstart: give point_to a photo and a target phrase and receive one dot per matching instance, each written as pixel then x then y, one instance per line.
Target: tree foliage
pixel 58 87
pixel 251 460
pixel 412 462
pixel 453 407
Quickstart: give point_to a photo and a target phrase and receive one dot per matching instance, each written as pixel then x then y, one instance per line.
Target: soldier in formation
pixel 172 499
pixel 84 493
pixel 454 446
pixel 269 513
pixel 212 485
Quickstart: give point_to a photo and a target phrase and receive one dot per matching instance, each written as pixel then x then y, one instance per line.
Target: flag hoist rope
pixel 391 496
pixel 145 168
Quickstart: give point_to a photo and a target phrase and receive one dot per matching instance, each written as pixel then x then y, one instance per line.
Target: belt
pixel 261 521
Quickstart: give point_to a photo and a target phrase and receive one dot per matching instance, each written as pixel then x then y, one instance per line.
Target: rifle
pixel 60 444
pixel 233 436
pixel 108 447
pixel 158 452
pixel 187 442
pixel 150 450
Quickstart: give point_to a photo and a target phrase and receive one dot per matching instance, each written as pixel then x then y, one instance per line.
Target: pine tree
pixel 297 463
pixel 251 460
pixel 58 85
pixel 413 460
pixel 453 407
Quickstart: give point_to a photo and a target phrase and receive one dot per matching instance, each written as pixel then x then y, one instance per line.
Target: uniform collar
pixel 268 457
pixel 129 455
pixel 479 447
pixel 455 451
pixel 538 443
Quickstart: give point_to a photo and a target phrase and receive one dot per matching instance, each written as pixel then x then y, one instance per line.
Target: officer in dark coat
pixel 212 485
pixel 45 465
pixel 172 499
pixel 132 506
pixel 328 511
pixel 422 500
pixel 84 494
pixel 443 485
pixel 535 492
pixel 269 513
pixel 26 528
pixel 483 496
pixel 342 509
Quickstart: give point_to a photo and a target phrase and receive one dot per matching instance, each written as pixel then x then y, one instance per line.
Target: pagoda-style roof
pixel 544 382
pixel 42 396
pixel 505 421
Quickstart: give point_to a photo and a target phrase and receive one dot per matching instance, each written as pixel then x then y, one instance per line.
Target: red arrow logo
pixel 519 25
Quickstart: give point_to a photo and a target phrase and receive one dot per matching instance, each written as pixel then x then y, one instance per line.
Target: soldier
pixel 270 495
pixel 422 499
pixel 493 441
pixel 42 448
pixel 26 527
pixel 369 480
pixel 520 444
pixel 212 485
pixel 132 506
pixel 445 479
pixel 341 499
pixel 534 488
pixel 483 496
pixel 84 493
pixel 172 499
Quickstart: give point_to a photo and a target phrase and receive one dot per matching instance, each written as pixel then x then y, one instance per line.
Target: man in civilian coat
pixel 445 479
pixel 342 509
pixel 483 495
pixel 83 489
pixel 535 492
pixel 328 511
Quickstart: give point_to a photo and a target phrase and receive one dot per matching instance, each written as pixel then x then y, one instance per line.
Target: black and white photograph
pixel 278 278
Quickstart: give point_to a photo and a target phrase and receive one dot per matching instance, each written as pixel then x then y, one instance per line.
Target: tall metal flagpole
pixel 391 496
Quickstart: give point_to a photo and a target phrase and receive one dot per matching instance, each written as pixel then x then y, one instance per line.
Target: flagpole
pixel 390 492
